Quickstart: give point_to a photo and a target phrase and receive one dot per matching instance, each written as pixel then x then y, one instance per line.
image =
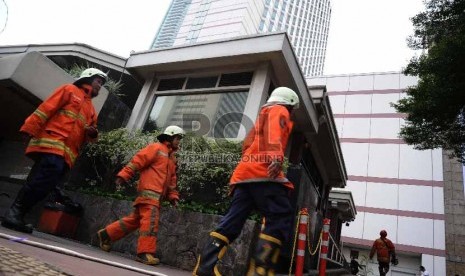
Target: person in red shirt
pixel 56 131
pixel 258 182
pixel 156 164
pixel 384 249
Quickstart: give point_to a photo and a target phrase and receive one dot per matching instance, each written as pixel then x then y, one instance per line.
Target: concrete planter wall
pixel 180 237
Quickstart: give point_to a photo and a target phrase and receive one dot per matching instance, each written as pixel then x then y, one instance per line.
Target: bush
pixel 107 157
pixel 204 167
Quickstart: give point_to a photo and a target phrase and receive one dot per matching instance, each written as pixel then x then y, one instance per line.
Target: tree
pixel 111 85
pixel 435 107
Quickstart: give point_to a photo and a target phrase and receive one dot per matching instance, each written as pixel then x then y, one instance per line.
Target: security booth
pixel 216 89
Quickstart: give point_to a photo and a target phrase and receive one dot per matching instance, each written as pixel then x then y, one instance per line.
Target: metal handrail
pixel 335 253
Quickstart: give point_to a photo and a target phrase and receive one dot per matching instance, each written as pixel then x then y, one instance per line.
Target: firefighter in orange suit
pixel 384 249
pixel 56 131
pixel 157 166
pixel 258 182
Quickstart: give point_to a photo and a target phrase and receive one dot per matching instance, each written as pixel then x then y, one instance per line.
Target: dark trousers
pixel 383 268
pixel 270 199
pixel 46 173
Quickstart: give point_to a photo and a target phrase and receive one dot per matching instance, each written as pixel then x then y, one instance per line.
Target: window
pixel 234 79
pixel 171 84
pixel 202 82
pixel 217 115
pixel 262 25
pixel 354 254
pixel 216 110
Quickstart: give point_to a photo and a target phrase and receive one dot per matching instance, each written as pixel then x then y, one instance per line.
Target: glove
pixel 119 183
pixel 394 261
pixel 91 132
pixel 25 138
pixel 274 169
pixel 174 203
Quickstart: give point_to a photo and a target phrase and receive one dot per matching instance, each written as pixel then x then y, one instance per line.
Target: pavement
pixel 43 254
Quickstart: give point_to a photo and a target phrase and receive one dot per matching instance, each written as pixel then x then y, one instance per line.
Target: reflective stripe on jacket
pixel 58 125
pixel 157 167
pixel 265 142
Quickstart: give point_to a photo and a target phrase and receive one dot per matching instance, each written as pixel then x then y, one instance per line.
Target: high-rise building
pixel 171 24
pixel 306 23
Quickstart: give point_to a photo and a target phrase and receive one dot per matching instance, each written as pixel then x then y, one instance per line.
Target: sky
pixel 365 35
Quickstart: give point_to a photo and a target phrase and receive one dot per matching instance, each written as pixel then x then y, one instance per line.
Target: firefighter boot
pixel 14 219
pixel 265 257
pixel 147 258
pixel 104 240
pixel 212 252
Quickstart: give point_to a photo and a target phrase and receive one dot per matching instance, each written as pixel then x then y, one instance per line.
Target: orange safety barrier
pixel 324 247
pixel 301 243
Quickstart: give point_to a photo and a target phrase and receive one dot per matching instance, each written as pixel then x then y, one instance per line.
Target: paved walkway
pixel 43 254
pixel 15 263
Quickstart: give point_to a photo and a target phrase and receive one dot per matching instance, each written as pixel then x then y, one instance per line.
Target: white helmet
pixel 91 72
pixel 171 131
pixel 284 96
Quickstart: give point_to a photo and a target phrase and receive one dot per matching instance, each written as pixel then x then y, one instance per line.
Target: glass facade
pixel 171 24
pixel 306 23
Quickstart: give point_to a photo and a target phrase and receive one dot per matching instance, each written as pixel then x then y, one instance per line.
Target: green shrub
pixel 107 157
pixel 204 168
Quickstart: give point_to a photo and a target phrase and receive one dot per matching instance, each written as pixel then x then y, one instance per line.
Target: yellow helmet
pixel 284 95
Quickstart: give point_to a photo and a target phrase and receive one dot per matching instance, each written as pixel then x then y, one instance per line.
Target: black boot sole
pixel 20 228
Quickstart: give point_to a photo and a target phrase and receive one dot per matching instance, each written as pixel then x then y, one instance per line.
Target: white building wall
pixel 394 186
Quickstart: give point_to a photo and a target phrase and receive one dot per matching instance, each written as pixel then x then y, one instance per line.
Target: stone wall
pixel 181 233
pixel 454 201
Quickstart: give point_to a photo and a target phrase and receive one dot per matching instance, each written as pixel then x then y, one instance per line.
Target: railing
pixel 335 253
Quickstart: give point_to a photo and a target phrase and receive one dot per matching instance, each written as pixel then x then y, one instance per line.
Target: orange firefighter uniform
pixel 264 144
pixel 253 187
pixel 157 167
pixel 258 182
pixel 58 126
pixel 383 250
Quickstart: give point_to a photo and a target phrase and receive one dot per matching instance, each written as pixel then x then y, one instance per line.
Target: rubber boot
pixel 104 240
pixel 14 218
pixel 147 258
pixel 265 257
pixel 58 199
pixel 212 252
